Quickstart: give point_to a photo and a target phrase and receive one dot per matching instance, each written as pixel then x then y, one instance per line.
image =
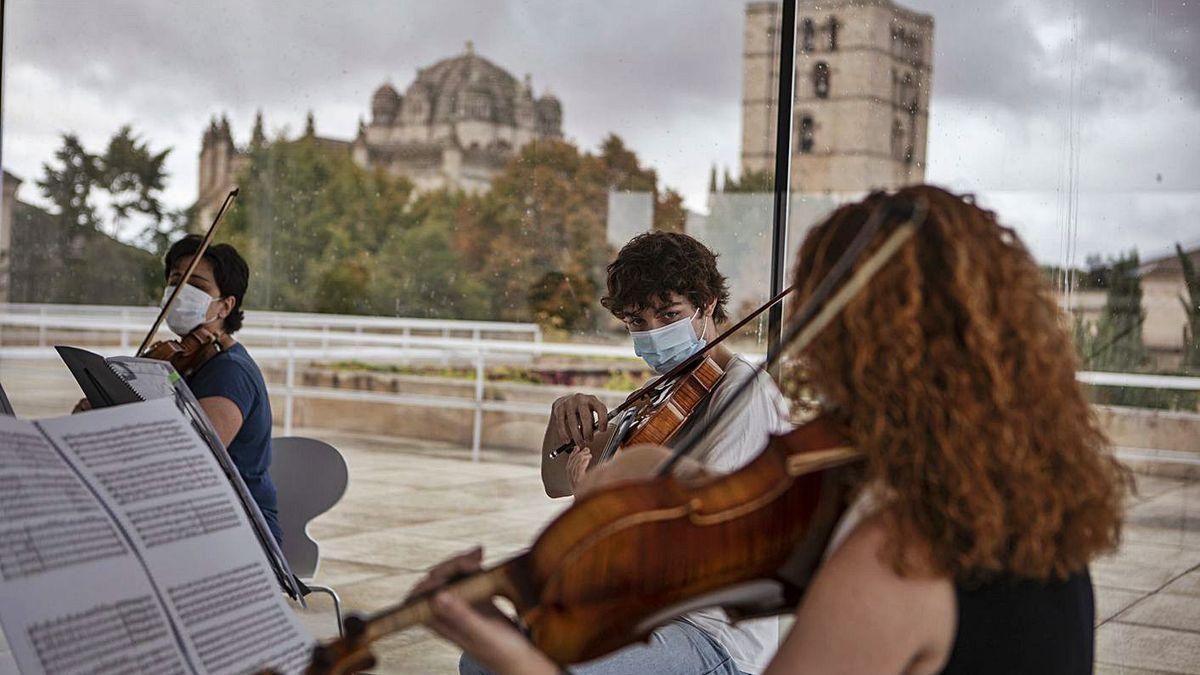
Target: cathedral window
pixel 821 79
pixel 898 149
pixel 479 107
pixel 908 94
pixel 807 32
pixel 833 33
pixel 806 134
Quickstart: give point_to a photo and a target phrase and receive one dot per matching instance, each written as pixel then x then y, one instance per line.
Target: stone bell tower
pixel 863 74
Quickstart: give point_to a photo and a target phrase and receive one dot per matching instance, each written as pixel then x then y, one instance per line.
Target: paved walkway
pixel 406 510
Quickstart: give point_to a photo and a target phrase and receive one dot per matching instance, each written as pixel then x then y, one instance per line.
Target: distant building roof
pixel 1170 264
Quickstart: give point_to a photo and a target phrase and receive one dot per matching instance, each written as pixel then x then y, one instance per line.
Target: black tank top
pixel 1008 627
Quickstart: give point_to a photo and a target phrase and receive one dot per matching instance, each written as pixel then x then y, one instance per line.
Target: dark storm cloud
pixel 229 52
pixel 989 52
pixel 1166 29
pixel 664 74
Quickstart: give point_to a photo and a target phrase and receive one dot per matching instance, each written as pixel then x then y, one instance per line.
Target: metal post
pixel 289 384
pixel 42 327
pixel 477 430
pixel 783 164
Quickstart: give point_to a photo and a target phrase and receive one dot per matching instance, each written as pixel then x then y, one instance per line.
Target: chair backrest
pixel 310 476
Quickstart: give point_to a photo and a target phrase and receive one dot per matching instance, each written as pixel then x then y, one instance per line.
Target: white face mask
pixel 664 348
pixel 189 311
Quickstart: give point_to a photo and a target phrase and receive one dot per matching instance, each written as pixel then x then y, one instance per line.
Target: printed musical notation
pixel 230 616
pixel 31 550
pixel 161 525
pixel 130 636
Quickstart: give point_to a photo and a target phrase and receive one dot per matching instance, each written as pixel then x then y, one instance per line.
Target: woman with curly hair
pixel 986 490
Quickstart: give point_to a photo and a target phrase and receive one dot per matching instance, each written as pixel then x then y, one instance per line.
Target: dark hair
pixel 230 271
pixel 655 264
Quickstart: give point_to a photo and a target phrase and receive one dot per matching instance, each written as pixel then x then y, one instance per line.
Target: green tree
pixel 304 213
pixel 546 214
pixel 68 186
pixel 1115 344
pixel 561 302
pixel 134 178
pixel 427 272
pixel 1191 308
pixel 66 255
pixel 669 212
pixel 1119 338
pixel 322 234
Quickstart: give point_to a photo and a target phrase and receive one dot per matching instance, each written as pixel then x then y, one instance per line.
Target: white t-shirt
pixel 738 437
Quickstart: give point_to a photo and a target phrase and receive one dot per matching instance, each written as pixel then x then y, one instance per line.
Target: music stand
pixel 5 407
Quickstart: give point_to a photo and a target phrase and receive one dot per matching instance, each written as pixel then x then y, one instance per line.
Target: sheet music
pixel 153 379
pixel 164 574
pixel 54 535
pixel 168 492
pixel 124 377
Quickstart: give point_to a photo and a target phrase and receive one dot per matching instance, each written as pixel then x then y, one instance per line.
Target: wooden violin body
pixel 657 417
pixel 190 352
pixel 628 558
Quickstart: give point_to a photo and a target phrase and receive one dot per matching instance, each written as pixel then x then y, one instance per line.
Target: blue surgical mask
pixel 664 348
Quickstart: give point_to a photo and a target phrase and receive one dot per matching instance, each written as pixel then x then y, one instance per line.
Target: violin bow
pixel 823 305
pixel 683 367
pixel 208 236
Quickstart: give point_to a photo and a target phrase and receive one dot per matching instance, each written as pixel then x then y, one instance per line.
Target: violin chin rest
pixel 761 597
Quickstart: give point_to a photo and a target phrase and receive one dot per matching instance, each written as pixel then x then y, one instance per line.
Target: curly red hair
pixel 952 372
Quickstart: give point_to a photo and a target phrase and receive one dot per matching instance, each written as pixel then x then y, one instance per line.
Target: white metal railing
pixel 128 321
pixel 290 346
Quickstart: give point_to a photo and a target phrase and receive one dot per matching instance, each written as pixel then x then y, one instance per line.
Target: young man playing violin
pixel 986 489
pixel 667 290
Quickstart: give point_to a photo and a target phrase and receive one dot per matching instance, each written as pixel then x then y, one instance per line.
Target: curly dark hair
pixel 655 264
pixel 230 271
pixel 953 374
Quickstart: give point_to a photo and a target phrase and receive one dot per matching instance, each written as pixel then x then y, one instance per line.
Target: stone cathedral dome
pixel 385 103
pixel 470 87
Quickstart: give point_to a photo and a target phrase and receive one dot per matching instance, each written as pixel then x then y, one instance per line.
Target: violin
pixel 657 420
pixel 624 560
pixel 655 413
pixel 193 350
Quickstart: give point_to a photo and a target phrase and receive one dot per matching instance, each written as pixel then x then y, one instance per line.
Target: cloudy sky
pixel 1075 116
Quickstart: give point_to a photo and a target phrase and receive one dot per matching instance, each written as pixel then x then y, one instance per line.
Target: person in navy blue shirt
pixel 229 386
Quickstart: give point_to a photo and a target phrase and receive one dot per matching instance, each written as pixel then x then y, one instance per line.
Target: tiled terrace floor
pixel 407 509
